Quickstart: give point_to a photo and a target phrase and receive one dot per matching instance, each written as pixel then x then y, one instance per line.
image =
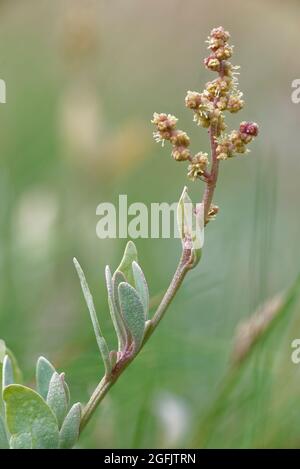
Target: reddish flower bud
pixel 249 128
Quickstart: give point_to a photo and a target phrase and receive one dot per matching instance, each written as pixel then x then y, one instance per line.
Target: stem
pixel 212 181
pixel 180 273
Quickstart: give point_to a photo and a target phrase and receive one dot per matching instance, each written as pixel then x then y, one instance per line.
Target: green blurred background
pixel 83 80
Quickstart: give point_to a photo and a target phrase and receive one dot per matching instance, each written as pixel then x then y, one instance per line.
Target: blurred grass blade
pixel 90 304
pixel 250 330
pixel 276 316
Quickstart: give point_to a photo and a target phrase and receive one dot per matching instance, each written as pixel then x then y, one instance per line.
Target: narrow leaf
pixel 27 412
pixel 90 304
pixel 2 350
pixel 3 435
pixel 44 373
pixel 7 372
pixel 141 286
pixel 18 378
pixel 57 399
pixel 115 312
pixel 133 313
pixel 69 432
pixel 130 255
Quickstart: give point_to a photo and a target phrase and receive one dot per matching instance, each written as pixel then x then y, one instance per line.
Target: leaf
pixel 7 372
pixel 3 435
pixel 133 313
pixel 69 432
pixel 21 441
pixel 28 413
pixel 17 372
pixel 130 255
pixel 57 399
pixel 191 223
pixel 141 286
pixel 44 373
pixel 2 355
pixel 66 388
pixel 118 278
pixel 2 350
pixel 115 311
pixel 90 304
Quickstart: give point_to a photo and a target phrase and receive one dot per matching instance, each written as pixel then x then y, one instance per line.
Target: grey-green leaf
pixel 15 366
pixel 44 373
pixel 3 435
pixel 66 388
pixel 21 441
pixel 115 311
pixel 69 432
pixel 141 286
pixel 118 278
pixel 91 307
pixel 57 399
pixel 133 313
pixel 27 412
pixel 2 350
pixel 130 255
pixel 7 372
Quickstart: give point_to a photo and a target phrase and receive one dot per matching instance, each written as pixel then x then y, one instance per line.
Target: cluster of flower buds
pixel 229 145
pixel 198 165
pixel 166 130
pixel 220 95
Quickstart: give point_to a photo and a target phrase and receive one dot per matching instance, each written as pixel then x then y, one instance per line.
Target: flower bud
pixel 193 100
pixel 249 128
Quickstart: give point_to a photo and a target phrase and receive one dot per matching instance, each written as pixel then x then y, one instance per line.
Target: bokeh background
pixel 83 80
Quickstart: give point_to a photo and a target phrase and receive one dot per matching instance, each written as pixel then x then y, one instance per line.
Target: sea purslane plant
pixel 45 418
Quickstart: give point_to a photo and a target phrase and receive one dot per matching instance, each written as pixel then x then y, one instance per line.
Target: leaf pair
pixel 38 420
pixel 128 300
pixel 191 223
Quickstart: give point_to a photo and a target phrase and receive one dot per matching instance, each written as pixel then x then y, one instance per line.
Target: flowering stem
pixel 185 264
pixel 220 95
pixel 212 180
